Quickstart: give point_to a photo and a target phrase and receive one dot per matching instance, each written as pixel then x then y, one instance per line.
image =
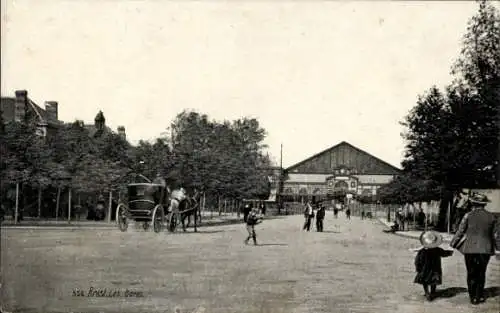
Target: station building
pixel 342 172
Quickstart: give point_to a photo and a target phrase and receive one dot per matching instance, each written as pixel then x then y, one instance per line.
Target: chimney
pixel 121 132
pixel 51 107
pixel 20 105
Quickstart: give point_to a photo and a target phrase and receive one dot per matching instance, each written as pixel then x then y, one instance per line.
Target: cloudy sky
pixel 313 73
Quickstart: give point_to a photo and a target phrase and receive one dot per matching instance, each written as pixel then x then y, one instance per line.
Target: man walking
pixel 336 210
pixel 308 216
pixel 477 237
pixel 320 216
pixel 400 219
pixel 348 213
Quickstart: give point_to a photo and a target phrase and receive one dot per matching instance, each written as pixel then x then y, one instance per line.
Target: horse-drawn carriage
pixel 150 203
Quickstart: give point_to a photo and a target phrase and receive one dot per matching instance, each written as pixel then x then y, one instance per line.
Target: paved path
pixel 413 233
pixel 352 267
pixel 207 220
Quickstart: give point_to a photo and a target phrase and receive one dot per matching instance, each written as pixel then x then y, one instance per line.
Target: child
pixel 428 263
pixel 252 220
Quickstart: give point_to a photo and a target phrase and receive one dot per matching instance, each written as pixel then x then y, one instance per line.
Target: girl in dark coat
pixel 428 263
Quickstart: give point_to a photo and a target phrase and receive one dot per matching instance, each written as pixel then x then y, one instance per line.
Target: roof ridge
pixel 315 155
pixel 35 108
pixel 337 145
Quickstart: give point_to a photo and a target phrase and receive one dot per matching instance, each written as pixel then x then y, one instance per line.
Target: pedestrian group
pixel 477 238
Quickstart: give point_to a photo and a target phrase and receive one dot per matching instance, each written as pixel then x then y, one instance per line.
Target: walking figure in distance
pixel 428 263
pixel 252 220
pixel 308 215
pixel 336 211
pixel 348 213
pixel 320 216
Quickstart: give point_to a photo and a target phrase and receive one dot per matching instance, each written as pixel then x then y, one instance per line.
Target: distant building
pixel 20 107
pixel 342 172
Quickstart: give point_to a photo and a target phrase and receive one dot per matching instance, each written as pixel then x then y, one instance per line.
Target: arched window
pixel 341 186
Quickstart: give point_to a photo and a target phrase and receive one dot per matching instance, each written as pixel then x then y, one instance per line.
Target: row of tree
pixel 452 136
pixel 225 159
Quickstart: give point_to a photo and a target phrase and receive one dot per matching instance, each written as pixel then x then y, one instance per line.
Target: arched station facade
pixel 341 173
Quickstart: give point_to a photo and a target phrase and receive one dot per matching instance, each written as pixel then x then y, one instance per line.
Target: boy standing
pixel 252 220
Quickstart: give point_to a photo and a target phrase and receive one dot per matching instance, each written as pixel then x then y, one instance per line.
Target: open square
pixel 351 267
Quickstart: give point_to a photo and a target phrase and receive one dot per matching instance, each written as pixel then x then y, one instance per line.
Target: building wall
pixel 7 105
pixel 320 174
pixel 317 184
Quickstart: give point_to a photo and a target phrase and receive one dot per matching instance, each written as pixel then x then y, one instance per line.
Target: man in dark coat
pixel 320 216
pixel 262 208
pixel 477 238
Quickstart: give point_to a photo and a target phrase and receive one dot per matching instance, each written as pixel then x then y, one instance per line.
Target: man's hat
pixel 479 199
pixel 431 239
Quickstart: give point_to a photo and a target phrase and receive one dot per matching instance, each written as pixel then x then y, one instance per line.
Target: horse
pixel 187 206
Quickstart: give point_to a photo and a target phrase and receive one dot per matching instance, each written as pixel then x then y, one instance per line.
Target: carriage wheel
pixel 158 219
pixel 173 222
pixel 121 217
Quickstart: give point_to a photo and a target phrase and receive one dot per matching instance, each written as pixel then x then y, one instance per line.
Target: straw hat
pixel 431 239
pixel 479 199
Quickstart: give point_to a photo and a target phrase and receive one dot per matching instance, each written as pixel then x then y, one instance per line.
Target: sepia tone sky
pixel 313 73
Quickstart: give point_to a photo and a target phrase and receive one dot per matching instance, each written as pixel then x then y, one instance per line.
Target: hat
pixel 430 239
pixel 479 199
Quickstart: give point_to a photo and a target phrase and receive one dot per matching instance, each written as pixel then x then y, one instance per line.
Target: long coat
pixel 481 231
pixel 428 266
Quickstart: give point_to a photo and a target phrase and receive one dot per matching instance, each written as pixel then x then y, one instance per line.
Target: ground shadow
pixel 450 292
pixel 192 232
pixel 331 232
pixel 272 244
pixel 492 292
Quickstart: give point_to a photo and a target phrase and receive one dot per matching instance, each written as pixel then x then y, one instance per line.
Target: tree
pixel 477 90
pixel 223 158
pixel 453 139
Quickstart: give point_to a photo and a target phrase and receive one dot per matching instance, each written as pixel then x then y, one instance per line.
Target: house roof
pixel 343 143
pixel 8 105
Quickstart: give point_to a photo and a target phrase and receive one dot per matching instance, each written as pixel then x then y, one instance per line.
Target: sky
pixel 313 73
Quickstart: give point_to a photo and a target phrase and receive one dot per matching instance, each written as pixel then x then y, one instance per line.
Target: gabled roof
pixel 343 143
pixel 8 104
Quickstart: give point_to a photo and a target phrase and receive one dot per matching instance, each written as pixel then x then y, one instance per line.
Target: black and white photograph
pixel 253 156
